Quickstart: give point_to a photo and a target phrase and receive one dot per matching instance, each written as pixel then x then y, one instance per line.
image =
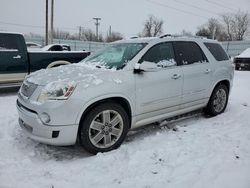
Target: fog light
pixel 55 134
pixel 45 117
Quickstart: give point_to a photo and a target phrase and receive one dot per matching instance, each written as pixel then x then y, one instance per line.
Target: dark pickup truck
pixel 16 62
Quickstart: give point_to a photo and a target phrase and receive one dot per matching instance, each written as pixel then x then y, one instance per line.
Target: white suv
pixel 128 84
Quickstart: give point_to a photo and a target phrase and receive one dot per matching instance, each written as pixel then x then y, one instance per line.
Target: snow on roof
pixel 245 53
pixel 10 32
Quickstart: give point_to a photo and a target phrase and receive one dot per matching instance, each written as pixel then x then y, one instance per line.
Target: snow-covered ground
pixel 202 153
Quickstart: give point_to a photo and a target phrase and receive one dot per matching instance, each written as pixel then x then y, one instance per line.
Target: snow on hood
pixel 245 53
pixel 75 72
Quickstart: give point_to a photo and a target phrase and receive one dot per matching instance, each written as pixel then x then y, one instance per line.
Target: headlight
pixel 56 91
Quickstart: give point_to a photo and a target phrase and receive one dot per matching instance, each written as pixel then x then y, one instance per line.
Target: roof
pixel 9 32
pixel 166 38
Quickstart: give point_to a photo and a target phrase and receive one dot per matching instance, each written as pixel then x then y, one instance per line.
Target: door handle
pixel 207 71
pixel 176 76
pixel 17 57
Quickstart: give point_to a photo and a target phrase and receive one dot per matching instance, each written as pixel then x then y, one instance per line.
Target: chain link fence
pixel 74 44
pixel 234 48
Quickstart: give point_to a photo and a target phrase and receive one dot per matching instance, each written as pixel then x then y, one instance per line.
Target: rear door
pixel 159 92
pixel 13 61
pixel 196 72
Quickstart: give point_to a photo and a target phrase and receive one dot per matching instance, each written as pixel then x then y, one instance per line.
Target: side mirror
pixel 146 66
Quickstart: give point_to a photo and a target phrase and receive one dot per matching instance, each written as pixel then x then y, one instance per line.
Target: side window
pixel 162 54
pixel 217 51
pixel 8 43
pixel 189 53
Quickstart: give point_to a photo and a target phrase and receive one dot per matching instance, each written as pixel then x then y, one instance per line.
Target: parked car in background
pixel 33 45
pixel 57 47
pixel 16 62
pixel 128 84
pixel 242 61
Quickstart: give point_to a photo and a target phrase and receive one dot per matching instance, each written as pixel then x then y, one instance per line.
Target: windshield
pixel 115 56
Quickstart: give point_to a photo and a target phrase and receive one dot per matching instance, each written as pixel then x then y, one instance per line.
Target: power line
pixel 35 26
pixel 196 7
pixel 220 5
pixel 200 8
pixel 21 25
pixel 177 9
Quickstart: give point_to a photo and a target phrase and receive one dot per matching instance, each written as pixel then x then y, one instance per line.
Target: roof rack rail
pixel 193 36
pixel 165 35
pixel 200 37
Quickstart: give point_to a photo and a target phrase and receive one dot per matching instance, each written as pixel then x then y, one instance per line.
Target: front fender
pixel 103 97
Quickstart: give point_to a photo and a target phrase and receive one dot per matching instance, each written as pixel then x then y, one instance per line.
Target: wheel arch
pixel 224 82
pixel 117 99
pixel 209 109
pixel 58 63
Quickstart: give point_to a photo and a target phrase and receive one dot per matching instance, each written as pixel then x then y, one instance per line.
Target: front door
pixel 159 92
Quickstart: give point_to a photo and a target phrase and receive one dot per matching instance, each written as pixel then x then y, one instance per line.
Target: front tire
pixel 218 101
pixel 104 128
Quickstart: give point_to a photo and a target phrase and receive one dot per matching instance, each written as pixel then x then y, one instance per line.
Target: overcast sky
pixel 125 16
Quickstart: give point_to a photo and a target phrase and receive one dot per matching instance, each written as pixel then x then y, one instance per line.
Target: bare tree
pixel 237 25
pixel 90 35
pixel 33 35
pixel 213 29
pixel 241 24
pixel 113 36
pixel 60 34
pixel 152 27
pixel 186 33
pixel 227 19
pixel 203 31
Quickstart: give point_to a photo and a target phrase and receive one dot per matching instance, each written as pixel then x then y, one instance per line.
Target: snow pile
pixel 97 81
pixel 202 152
pixel 167 63
pixel 117 80
pixel 68 73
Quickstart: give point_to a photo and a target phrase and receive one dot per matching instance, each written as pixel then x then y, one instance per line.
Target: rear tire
pixel 104 128
pixel 218 101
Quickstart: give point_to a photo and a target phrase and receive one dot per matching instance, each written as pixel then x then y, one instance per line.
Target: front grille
pixel 28 89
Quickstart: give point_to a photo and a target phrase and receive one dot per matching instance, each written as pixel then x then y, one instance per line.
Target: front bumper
pixel 34 128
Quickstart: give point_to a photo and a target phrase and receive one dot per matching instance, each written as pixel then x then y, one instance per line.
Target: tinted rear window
pixel 217 51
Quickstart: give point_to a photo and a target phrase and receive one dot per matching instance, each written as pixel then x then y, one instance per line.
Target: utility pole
pixel 52 22
pixel 97 23
pixel 46 22
pixel 80 32
pixel 110 31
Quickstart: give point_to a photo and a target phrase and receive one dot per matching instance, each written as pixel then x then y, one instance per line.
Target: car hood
pixel 76 72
